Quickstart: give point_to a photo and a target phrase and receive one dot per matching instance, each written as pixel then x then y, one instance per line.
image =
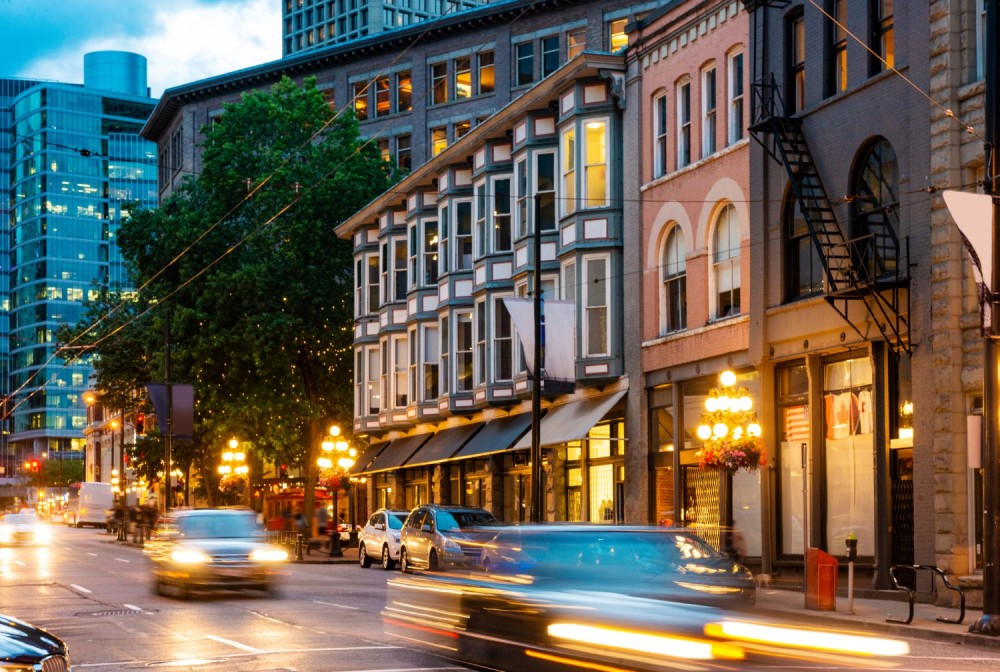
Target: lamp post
pixel 336 448
pixel 234 465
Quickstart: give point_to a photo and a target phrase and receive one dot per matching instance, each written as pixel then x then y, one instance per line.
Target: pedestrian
pixel 301 524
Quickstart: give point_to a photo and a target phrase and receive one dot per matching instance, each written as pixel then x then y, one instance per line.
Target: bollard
pixel 298 547
pixel 335 550
pixel 852 554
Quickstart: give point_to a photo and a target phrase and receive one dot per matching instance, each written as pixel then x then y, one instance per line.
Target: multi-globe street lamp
pixel 234 470
pixel 337 459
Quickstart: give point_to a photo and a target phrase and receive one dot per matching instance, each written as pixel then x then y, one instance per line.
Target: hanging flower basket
pixel 232 483
pixel 729 454
pixel 331 479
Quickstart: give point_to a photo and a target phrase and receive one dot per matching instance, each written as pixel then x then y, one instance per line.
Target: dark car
pixel 25 647
pixel 652 562
pixel 437 536
pixel 213 549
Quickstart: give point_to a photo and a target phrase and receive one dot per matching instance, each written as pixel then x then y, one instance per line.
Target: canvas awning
pixel 398 452
pixel 496 436
pixel 572 421
pixel 366 457
pixel 444 444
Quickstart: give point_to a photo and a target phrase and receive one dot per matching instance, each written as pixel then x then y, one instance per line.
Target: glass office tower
pixel 76 162
pixel 309 24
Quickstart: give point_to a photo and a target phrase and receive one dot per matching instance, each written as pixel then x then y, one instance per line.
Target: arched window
pixel 726 262
pixel 673 280
pixel 803 267
pixel 875 210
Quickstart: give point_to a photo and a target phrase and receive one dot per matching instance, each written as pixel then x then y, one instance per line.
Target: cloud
pixel 183 40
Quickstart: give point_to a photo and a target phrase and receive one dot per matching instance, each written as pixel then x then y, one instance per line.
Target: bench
pixel 935 571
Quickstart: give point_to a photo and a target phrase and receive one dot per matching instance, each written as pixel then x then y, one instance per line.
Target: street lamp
pixel 337 459
pixel 233 469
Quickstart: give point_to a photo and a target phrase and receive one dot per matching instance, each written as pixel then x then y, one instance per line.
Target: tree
pixel 256 287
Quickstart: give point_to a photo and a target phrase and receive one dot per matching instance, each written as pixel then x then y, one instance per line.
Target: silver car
pixel 380 538
pixel 436 536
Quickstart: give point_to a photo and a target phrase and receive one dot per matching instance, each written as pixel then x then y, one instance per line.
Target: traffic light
pixel 140 424
pixel 283 472
pixel 32 465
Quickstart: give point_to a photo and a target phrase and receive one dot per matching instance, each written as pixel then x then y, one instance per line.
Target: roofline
pixel 309 62
pixel 586 63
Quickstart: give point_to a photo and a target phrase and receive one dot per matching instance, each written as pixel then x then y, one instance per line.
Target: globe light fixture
pixel 729 429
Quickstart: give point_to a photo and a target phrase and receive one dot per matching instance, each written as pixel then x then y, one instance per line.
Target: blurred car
pixel 653 562
pixel 212 549
pixel 380 538
pixel 436 536
pixel 23 528
pixel 25 647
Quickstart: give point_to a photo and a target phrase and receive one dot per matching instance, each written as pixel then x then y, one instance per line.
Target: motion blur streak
pixel 808 638
pixel 570 661
pixel 670 647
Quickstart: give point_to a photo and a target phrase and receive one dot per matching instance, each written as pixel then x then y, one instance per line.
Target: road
pixel 95 594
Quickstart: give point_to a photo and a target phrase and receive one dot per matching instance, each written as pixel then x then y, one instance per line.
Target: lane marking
pixel 80 588
pixel 133 607
pixel 237 645
pixel 334 604
pixel 122 560
pixel 20 563
pixel 93 554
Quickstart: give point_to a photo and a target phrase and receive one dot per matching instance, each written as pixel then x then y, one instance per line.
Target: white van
pixel 96 503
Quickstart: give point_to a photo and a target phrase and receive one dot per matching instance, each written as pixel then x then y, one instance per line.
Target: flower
pixel 232 483
pixel 732 454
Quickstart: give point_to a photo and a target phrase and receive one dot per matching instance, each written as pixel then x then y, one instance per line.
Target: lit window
pixel 836 37
pixel 439 83
pixel 404 92
pixel 883 37
pixel 595 170
pixel 796 75
pixel 576 42
pixel 463 77
pixel 619 38
pixel 430 391
pixel 480 370
pixel 487 77
pixel 382 97
pixel 361 100
pixel 439 140
pixel 568 160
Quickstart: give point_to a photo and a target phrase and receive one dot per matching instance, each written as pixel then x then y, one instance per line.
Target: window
pixel 660 135
pixel 480 237
pixel 980 39
pixel 373 399
pixel 569 281
pixel 361 100
pixel 735 97
pixel 403 151
pixel 359 288
pixel 836 41
pixel 463 236
pixel 569 170
pixel 576 42
pixel 683 124
pixel 462 128
pixel 372 289
pixel 439 140
pixel 503 334
pixel 545 189
pixel 882 37
pixel 439 83
pixel 463 77
pixel 382 97
pixel 726 262
pixel 385 266
pixel 414 360
pixel 521 291
pixel 501 215
pixel 414 255
pixel 618 36
pixel 399 270
pixel 430 253
pixel 480 372
pixel 431 348
pixel 404 92
pixel 487 72
pixel 399 371
pixel 525 63
pixel 359 383
pixel 521 185
pixel 708 109
pixel 444 351
pixel 875 211
pixel 596 303
pixel 673 275
pixel 550 55
pixel 463 352
pixel 383 148
pixel 595 170
pixel 795 76
pixel 803 270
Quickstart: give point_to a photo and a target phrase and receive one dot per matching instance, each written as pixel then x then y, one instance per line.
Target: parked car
pixel 213 549
pixel 23 528
pixel 380 538
pixel 648 562
pixel 25 647
pixel 436 536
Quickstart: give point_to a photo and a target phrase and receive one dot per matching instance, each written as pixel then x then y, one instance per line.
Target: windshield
pixel 218 526
pixel 20 519
pixel 457 520
pixel 396 520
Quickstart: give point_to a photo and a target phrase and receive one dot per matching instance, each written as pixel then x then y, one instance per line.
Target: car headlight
pixel 4 535
pixel 269 555
pixel 395 537
pixel 43 534
pixel 452 545
pixel 189 556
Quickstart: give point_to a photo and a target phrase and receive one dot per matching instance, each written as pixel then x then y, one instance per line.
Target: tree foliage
pixel 243 263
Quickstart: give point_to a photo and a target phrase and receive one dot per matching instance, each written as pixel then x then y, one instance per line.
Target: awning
pixel 572 421
pixel 444 444
pixel 496 436
pixel 366 457
pixel 398 452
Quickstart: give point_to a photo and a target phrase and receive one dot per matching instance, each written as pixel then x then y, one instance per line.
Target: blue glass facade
pixel 75 161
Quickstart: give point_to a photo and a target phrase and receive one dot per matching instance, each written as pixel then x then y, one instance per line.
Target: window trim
pixel 732 261
pixel 736 93
pixel 683 115
pixel 673 232
pixel 660 130
pixel 709 109
pixel 588 289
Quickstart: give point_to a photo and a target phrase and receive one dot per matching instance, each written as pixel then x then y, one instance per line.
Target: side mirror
pixel 427 527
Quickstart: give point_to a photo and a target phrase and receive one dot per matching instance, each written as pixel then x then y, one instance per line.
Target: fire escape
pixel 866 271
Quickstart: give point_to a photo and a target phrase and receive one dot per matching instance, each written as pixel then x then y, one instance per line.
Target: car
pixel 26 647
pixel 380 538
pixel 213 549
pixel 439 536
pixel 652 562
pixel 23 528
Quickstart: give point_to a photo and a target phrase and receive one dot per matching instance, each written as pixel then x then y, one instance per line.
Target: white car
pixel 23 528
pixel 380 538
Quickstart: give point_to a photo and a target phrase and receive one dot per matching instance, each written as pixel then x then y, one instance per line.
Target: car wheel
pixel 432 562
pixel 363 558
pixel 387 562
pixel 404 561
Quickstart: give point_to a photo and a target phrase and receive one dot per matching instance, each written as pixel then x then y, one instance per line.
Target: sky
pixel 183 40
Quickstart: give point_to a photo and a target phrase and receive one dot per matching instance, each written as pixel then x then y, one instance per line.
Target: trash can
pixel 821 580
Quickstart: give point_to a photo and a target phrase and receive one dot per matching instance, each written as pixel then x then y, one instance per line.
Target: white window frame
pixel 501 342
pixel 480 331
pixel 444 243
pixel 521 196
pixel 709 109
pixel 660 129
pixel 400 268
pixel 360 278
pixel 729 263
pixel 429 252
pixel 736 95
pixel 464 317
pixel 672 270
pixel 372 403
pixel 412 255
pixel 430 349
pixel 520 367
pixel 500 220
pixel 567 170
pixel 373 290
pixel 400 370
pixel 444 360
pixel 480 201
pixel 460 239
pixel 412 361
pixel 591 163
pixel 536 186
pixel 588 292
pixel 683 111
pixel 359 383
